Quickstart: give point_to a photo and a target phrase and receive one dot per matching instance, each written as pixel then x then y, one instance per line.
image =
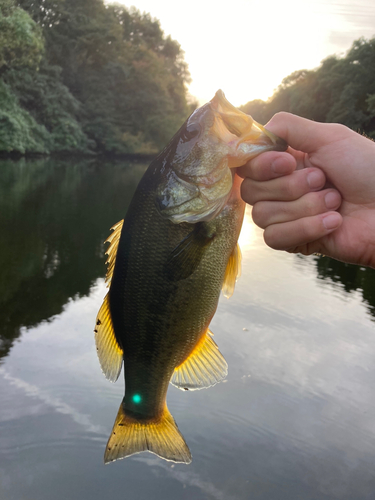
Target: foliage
pixel 21 40
pixel 82 75
pixel 18 130
pixel 109 79
pixel 49 102
pixel 341 90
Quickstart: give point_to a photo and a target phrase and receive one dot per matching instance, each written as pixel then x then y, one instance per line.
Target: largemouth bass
pixel 167 262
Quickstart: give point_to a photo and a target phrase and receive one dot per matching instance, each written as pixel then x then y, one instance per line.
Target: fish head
pixel 199 163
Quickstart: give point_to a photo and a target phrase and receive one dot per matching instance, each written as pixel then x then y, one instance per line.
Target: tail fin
pixel 160 436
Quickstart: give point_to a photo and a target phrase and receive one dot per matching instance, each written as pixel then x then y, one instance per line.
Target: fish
pixel 167 262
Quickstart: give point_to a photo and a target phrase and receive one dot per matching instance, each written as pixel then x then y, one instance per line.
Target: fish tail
pixel 158 435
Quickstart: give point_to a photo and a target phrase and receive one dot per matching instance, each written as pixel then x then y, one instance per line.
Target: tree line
pixel 83 76
pixel 80 76
pixel 340 90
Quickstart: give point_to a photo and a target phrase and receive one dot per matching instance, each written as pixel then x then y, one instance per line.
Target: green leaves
pixel 18 130
pixel 21 40
pixel 49 103
pixel 108 80
pixel 340 90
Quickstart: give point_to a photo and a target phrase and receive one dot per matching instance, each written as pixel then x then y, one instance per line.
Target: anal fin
pixel 204 367
pixel 158 435
pixel 232 272
pixel 109 352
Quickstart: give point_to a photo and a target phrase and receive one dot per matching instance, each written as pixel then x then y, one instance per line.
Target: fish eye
pixel 191 131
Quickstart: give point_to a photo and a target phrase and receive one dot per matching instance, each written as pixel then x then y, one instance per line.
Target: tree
pixel 340 90
pixel 18 130
pixel 129 78
pixel 21 40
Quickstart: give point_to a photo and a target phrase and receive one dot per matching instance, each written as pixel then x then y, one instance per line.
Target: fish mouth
pixel 246 137
pixel 216 139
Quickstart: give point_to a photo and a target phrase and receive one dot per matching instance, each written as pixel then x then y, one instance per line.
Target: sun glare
pixel 246 47
pixel 248 231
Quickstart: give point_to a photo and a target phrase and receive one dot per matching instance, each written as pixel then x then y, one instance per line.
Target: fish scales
pixel 178 245
pixel 167 321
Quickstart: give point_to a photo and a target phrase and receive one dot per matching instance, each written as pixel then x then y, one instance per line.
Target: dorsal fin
pixel 232 272
pixel 113 240
pixel 109 352
pixel 204 367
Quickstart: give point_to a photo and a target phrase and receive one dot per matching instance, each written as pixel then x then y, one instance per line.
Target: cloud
pixel 58 405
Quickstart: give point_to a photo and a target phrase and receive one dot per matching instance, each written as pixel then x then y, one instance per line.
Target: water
pixel 295 418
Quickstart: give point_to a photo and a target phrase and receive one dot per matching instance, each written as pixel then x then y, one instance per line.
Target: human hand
pixel 319 197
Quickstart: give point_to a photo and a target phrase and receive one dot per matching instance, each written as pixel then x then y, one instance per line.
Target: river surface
pixel 295 418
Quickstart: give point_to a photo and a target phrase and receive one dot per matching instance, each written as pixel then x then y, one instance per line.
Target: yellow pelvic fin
pixel 113 240
pixel 204 367
pixel 109 352
pixel 232 272
pixel 160 436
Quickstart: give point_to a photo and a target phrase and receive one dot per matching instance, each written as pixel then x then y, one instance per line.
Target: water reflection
pixel 351 277
pixel 54 217
pixel 294 420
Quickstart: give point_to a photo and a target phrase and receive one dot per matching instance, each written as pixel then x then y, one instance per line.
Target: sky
pixel 247 47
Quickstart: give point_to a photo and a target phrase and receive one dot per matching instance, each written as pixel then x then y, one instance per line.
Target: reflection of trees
pixel 351 277
pixel 54 217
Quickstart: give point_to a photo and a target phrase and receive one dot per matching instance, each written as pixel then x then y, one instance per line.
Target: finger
pixel 306 135
pixel 298 233
pixel 287 188
pixel 268 166
pixel 266 213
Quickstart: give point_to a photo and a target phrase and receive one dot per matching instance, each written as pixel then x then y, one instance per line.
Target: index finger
pixel 303 134
pixel 269 165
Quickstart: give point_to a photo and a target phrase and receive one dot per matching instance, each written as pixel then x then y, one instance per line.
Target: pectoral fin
pixel 185 258
pixel 232 272
pixel 204 367
pixel 109 352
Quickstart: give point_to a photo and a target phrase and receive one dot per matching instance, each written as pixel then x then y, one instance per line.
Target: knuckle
pixel 280 117
pixel 290 188
pixel 258 215
pixel 260 166
pixel 339 128
pixel 271 239
pixel 257 169
pixel 247 192
pixel 312 203
pixel 306 231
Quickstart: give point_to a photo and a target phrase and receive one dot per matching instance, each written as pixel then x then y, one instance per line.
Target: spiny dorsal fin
pixel 204 367
pixel 109 352
pixel 113 240
pixel 158 435
pixel 232 272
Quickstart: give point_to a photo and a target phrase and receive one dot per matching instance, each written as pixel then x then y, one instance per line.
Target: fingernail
pixel 331 200
pixel 279 166
pixel 331 221
pixel 314 180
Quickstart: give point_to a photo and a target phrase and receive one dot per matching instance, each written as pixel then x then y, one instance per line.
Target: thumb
pixel 303 134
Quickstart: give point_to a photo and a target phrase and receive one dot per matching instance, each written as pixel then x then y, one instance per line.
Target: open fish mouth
pixel 215 139
pixel 248 137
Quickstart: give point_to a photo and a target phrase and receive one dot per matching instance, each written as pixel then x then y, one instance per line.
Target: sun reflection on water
pixel 248 233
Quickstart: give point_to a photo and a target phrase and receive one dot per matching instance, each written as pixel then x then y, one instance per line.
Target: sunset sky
pixel 247 47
